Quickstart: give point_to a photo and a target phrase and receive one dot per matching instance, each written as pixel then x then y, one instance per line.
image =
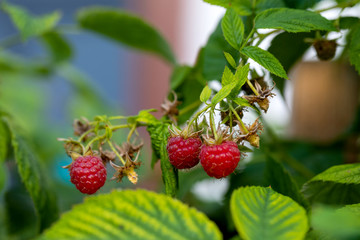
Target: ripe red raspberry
pixel 88 173
pixel 184 152
pixel 220 160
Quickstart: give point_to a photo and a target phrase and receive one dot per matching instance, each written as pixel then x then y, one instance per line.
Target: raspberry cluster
pixel 219 159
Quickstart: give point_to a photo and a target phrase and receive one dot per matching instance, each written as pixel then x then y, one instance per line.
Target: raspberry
pixel 184 152
pixel 88 173
pixel 220 160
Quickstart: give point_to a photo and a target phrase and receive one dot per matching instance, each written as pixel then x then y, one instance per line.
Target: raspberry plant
pixel 272 194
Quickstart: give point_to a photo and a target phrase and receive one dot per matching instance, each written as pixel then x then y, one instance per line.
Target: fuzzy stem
pixel 198 114
pixel 247 39
pixel 252 87
pixel 116 152
pixel 212 124
pixel 85 134
pixel 242 125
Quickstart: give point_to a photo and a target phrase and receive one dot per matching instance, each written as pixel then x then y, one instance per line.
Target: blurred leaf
pixel 3 177
pixel 133 215
pixel 339 224
pixel 11 63
pixel 288 54
pixel 242 7
pixel 213 57
pixel 336 185
pixel 178 75
pixel 348 22
pixel 353 208
pixel 261 213
pixel 205 94
pixel 262 5
pixel 354 48
pixel 282 182
pixel 159 134
pixel 125 28
pixel 233 28
pixel 58 46
pixel 4 141
pixel 230 60
pixel 33 177
pixel 300 4
pixel 223 93
pixel 19 214
pixel 29 25
pixel 265 59
pixel 292 20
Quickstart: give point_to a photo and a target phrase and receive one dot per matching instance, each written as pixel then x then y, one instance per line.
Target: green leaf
pixel 265 59
pixel 282 182
pixel 144 117
pixel 178 76
pixel 336 224
pixel 227 77
pixel 337 185
pixel 245 103
pixel 223 93
pixel 34 178
pixel 293 20
pixel 241 76
pixel 354 48
pixel 125 28
pixel 213 57
pixel 4 141
pixel 133 215
pixel 230 60
pixel 159 134
pixel 57 46
pixel 353 208
pixel 233 28
pixel 29 25
pixel 205 94
pixel 261 213
pixel 242 7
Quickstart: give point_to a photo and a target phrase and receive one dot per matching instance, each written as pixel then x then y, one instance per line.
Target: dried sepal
pixel 128 170
pixel 128 148
pixel 169 108
pixel 81 127
pixel 253 134
pixel 262 98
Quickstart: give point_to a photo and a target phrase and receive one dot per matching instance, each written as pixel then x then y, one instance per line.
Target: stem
pixel 212 124
pixel 85 134
pixel 242 125
pixel 252 87
pixel 117 117
pixel 94 140
pixel 247 39
pixel 198 114
pixel 113 128
pixel 131 132
pixel 116 152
